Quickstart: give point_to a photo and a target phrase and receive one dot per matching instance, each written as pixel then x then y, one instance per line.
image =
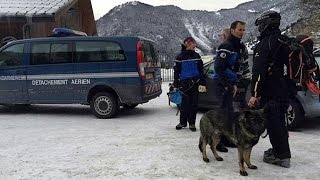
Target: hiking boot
pixel 268 152
pixel 271 159
pixel 192 128
pixel 230 145
pixel 220 147
pixel 180 126
pixel 227 143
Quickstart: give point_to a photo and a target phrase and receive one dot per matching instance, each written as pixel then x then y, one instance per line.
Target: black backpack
pixel 303 70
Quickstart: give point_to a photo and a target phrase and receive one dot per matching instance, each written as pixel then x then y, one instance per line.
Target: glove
pixel 202 89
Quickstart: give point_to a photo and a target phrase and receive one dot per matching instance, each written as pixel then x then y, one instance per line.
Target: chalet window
pixel 98 51
pixel 51 53
pixel 12 55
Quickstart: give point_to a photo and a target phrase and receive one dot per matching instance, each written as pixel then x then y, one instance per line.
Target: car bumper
pixel 310 103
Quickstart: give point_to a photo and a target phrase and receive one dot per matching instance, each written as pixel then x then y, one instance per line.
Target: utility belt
pixel 187 84
pixel 274 99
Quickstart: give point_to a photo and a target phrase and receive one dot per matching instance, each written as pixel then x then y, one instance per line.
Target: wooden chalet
pixel 28 19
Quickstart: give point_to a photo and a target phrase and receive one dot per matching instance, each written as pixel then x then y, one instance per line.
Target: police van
pixel 103 72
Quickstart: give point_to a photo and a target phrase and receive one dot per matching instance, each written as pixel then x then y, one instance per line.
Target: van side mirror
pixel 121 51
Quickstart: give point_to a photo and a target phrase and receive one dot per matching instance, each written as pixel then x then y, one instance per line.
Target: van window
pixel 51 53
pixel 102 51
pixel 12 55
pixel 150 54
pixel 61 53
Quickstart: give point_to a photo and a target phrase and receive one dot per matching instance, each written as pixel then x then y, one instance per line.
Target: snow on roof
pixel 31 8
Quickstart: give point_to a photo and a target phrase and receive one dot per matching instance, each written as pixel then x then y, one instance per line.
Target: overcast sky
pixel 101 7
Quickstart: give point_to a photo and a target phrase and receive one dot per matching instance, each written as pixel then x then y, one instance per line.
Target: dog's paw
pixel 206 160
pixel 252 167
pixel 243 173
pixel 219 159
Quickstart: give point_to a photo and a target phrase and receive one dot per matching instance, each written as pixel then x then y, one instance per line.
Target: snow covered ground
pixel 68 142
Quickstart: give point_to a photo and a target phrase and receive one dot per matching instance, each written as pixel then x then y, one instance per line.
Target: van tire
pixel 104 105
pixel 295 114
pixel 132 106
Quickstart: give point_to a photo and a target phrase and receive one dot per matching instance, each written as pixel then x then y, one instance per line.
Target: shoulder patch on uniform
pixel 223 55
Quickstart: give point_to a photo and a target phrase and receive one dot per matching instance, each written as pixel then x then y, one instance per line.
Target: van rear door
pixel 151 77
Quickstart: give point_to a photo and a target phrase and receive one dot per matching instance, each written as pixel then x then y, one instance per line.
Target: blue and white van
pixel 103 72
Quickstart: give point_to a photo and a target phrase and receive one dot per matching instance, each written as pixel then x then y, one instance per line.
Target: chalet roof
pixel 31 8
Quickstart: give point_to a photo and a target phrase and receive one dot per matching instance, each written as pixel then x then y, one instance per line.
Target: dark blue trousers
pixel 225 97
pixel 189 105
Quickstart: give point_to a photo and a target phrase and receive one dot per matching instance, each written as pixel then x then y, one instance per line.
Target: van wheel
pixel 132 106
pixel 294 115
pixel 104 105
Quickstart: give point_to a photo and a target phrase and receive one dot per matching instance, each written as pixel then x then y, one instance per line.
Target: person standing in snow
pixel 189 78
pixel 228 68
pixel 269 86
pixel 243 73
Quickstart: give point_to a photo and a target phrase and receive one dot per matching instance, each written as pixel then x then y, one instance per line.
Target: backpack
pixel 303 70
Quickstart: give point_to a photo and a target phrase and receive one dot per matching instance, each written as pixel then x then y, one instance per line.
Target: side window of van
pixel 98 51
pixel 12 55
pixel 60 53
pixel 51 53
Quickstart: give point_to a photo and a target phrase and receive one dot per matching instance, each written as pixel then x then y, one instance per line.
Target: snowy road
pixel 68 142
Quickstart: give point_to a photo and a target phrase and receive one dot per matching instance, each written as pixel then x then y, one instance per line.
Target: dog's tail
pixel 200 143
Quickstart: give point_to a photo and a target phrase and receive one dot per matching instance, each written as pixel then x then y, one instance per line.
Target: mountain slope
pixel 169 25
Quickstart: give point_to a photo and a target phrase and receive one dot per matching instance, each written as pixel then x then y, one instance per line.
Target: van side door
pixel 50 72
pixel 13 74
pixel 100 63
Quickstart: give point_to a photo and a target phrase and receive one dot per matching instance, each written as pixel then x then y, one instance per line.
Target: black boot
pixel 226 142
pixel 180 126
pixel 220 147
pixel 193 128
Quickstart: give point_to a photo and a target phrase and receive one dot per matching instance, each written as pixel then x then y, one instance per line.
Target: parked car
pixel 305 104
pixel 103 72
pixel 317 55
pixel 209 99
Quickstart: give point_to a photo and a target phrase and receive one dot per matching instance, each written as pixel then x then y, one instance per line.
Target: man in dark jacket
pixel 189 78
pixel 229 59
pixel 269 86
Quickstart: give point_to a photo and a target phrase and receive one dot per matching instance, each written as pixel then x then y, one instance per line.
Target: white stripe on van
pixel 84 75
pixel 187 60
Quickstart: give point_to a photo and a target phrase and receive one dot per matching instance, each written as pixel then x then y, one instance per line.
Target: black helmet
pixel 268 19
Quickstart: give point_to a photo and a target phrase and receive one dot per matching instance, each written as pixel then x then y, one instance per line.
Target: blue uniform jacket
pixel 189 66
pixel 227 64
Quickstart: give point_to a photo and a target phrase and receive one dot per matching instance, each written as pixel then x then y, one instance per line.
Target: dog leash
pixel 183 94
pixel 257 107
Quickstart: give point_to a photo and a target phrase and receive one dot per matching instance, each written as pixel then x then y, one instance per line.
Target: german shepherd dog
pixel 247 126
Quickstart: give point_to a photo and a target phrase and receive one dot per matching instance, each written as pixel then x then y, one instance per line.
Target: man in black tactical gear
pixel 269 86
